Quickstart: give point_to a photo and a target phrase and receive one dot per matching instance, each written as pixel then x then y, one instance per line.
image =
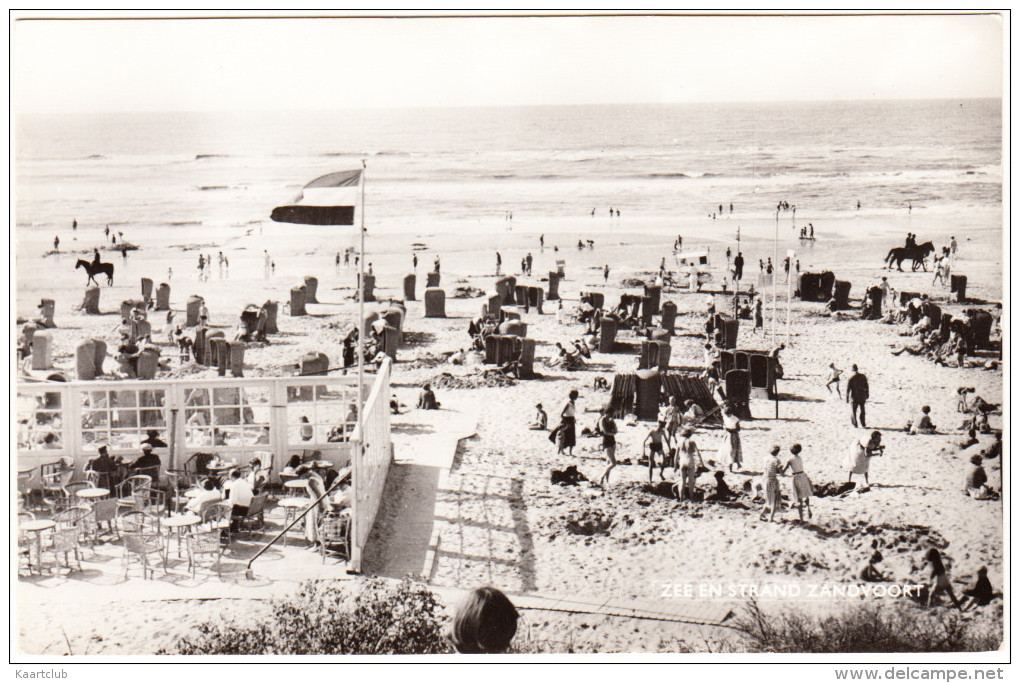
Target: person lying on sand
pixel 970 440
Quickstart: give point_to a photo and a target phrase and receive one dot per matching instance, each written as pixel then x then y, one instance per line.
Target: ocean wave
pixel 664 175
pixel 199 157
pixel 176 223
pixel 206 188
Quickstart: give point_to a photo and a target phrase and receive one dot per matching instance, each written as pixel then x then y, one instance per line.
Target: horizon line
pixel 35 112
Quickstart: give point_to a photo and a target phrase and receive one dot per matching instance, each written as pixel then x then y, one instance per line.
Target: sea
pixel 478 169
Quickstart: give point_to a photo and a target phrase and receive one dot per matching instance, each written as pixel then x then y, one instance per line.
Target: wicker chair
pixel 126 489
pixel 137 521
pixel 204 544
pixel 105 511
pixel 65 541
pixel 25 542
pixel 140 546
pixel 333 531
pixel 254 519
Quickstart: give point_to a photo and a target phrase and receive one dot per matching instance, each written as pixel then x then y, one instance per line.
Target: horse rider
pixel 95 259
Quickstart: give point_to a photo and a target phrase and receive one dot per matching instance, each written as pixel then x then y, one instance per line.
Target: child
pixel 834 374
pixel 870 572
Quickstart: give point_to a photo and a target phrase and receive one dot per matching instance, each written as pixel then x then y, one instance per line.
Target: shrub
pixel 323 618
pixel 864 628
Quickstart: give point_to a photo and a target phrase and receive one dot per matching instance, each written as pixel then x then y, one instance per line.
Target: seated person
pixel 976 480
pixel 971 440
pixel 148 459
pixel 106 467
pixel 292 465
pixel 981 592
pixel 870 571
pixel 922 424
pixel 240 498
pixel 427 399
pixel 601 384
pixel 722 489
pixel 541 418
pixel 152 438
pixel 692 413
pixel 209 493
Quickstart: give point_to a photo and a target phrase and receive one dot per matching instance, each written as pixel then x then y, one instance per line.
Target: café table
pixel 91 494
pixel 37 527
pixel 176 523
pixel 296 485
pixel 220 467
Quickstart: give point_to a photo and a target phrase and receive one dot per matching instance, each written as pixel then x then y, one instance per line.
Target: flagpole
pixel 775 260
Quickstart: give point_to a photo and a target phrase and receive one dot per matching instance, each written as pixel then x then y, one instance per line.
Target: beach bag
pixel 554 433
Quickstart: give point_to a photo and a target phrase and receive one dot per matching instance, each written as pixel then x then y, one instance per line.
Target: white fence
pixel 372 463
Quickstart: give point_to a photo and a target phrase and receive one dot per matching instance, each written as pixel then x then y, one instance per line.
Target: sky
pixel 281 64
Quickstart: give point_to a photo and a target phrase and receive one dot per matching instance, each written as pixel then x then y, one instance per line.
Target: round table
pixel 296 484
pixel 321 464
pixel 25 469
pixel 93 493
pixel 37 527
pixel 178 522
pixel 293 506
pixel 220 467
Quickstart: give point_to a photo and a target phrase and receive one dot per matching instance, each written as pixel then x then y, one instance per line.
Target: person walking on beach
pixel 773 496
pixel 336 265
pixel 731 423
pixel 435 264
pixel 607 425
pixel 414 262
pixel 858 204
pixel 786 268
pixel 728 256
pixel 107 231
pixel 654 442
pixel 834 374
pixel 738 267
pixel 857 393
pixel 541 238
pixel 688 463
pixel 123 251
pixel 531 259
pixel 74 225
pixel 524 266
pixel 952 246
pixel 798 267
pixel 56 244
pixel 860 455
pixel 566 436
pixel 605 273
pixel 940 582
pixel 201 266
pixel 759 318
pixel 499 262
pixel 802 488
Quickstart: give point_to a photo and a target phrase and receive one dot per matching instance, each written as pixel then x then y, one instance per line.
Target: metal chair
pixel 53 491
pixel 25 542
pixel 217 515
pixel 79 518
pixel 254 515
pixel 203 543
pixel 334 530
pixel 140 545
pixel 25 488
pixel 137 521
pixel 126 489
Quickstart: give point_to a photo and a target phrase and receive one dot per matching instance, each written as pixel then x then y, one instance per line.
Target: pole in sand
pixel 361 344
pixel 775 261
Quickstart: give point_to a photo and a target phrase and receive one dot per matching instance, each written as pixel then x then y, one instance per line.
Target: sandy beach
pixel 636 540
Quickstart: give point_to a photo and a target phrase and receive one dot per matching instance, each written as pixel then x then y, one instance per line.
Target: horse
pixel 917 254
pixel 94 269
